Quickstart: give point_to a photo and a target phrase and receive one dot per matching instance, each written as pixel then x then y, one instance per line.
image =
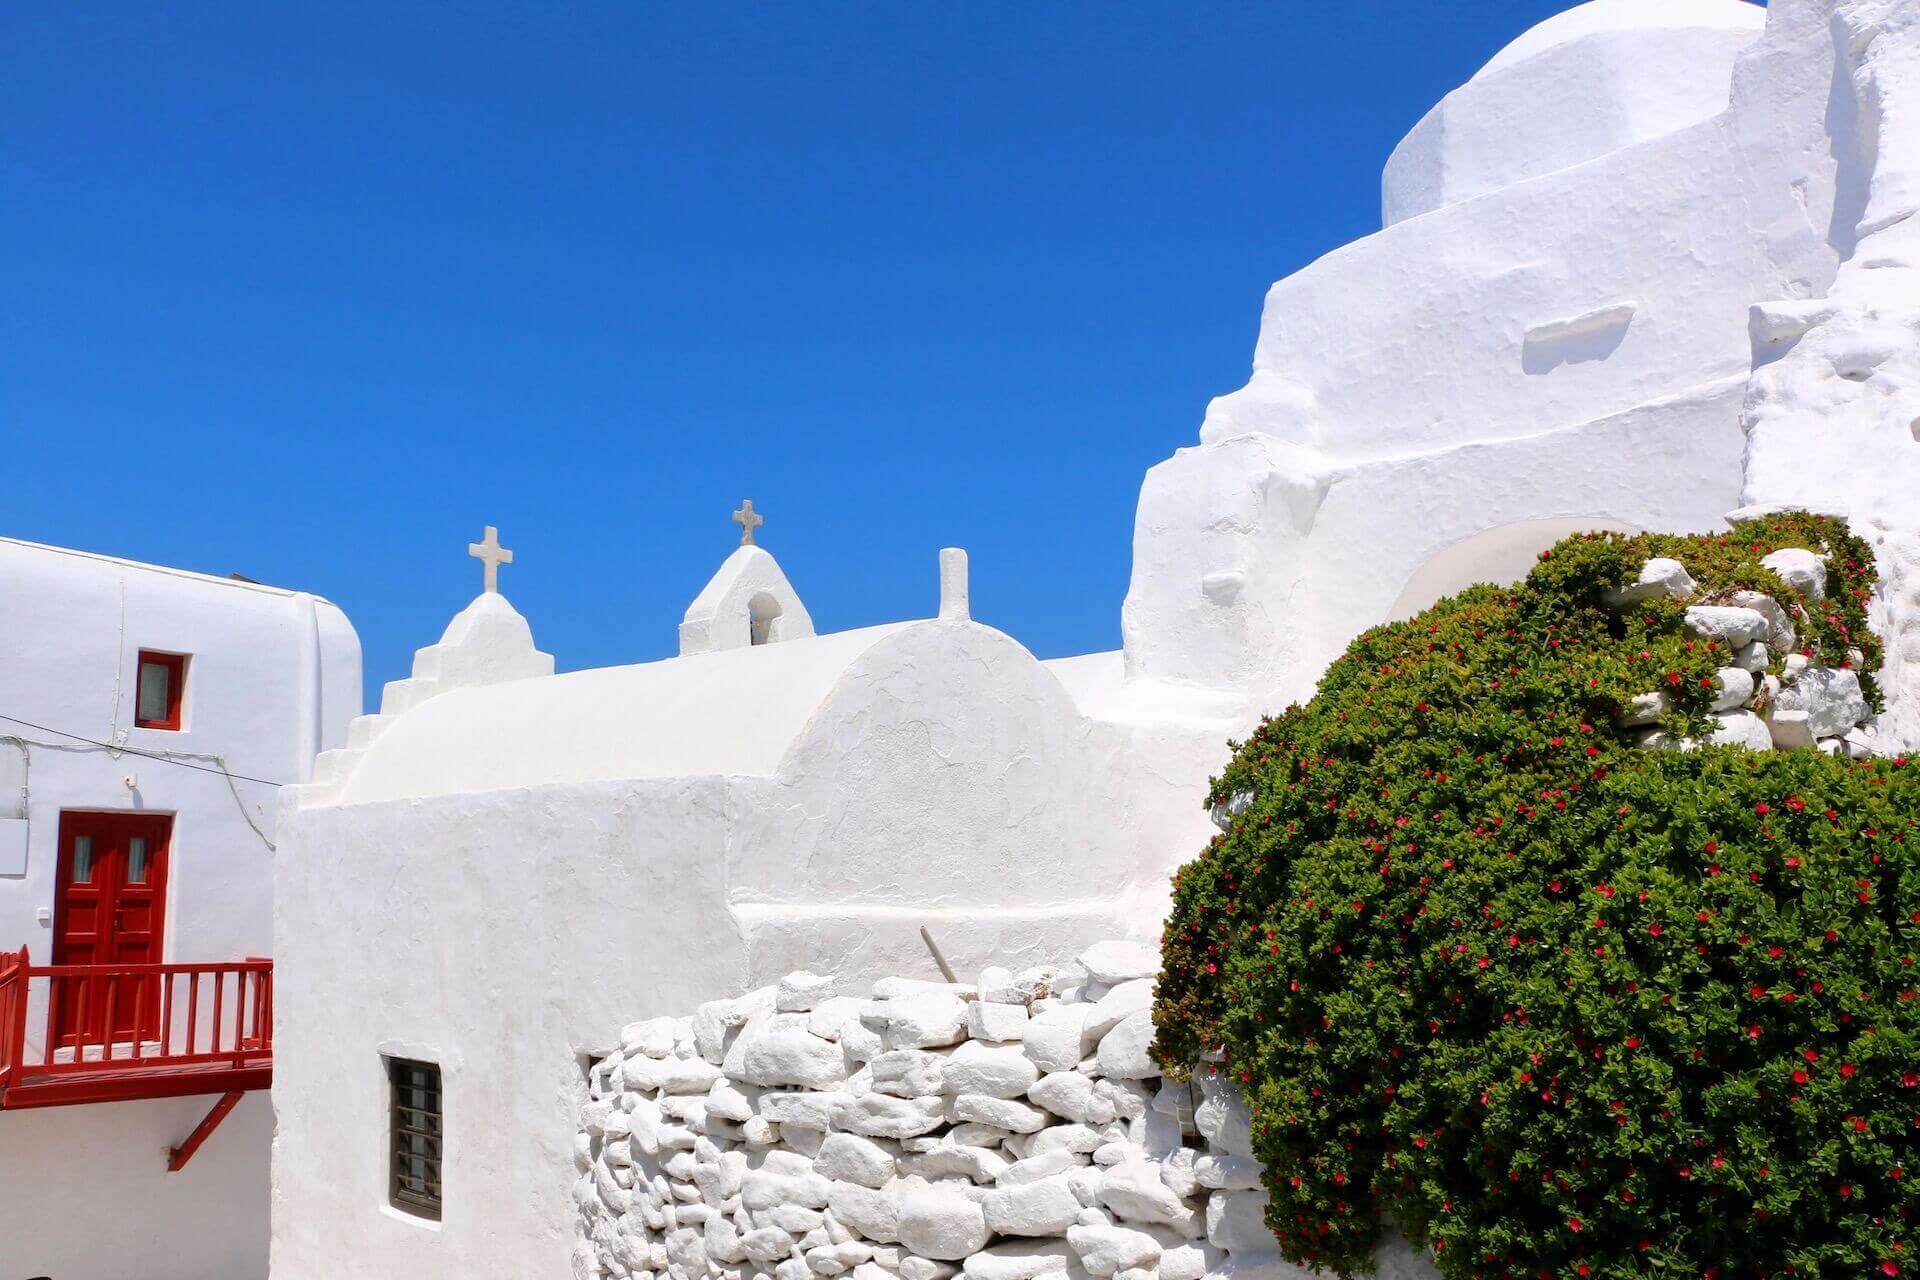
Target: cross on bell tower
pixel 748 519
pixel 490 553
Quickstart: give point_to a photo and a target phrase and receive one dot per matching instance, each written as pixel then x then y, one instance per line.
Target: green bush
pixel 1558 1006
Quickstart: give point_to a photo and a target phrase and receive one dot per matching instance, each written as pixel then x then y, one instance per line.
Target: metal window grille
pixel 414 1154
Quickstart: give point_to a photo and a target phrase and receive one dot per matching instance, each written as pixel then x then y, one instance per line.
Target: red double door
pixel 110 910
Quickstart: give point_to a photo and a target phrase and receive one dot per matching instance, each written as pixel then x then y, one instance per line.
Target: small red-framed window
pixel 159 690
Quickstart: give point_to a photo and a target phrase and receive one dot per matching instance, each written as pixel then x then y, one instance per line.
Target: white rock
pixel 859 1043
pixel 1044 1208
pixel 762 1190
pixel 848 1157
pixel 1733 688
pixel 1228 1173
pixel 907 1073
pixel 1126 999
pixel 799 1110
pixel 1035 1168
pixel 730 1101
pixel 1116 962
pixel 998 1022
pixel 1189 1261
pixel 789 1056
pixel 996 986
pixel 1106 1249
pixel 1003 1113
pixel 1130 1098
pixel 766 1245
pixel 687 1075
pixel 970 1134
pixel 1236 1221
pixel 1660 578
pixel 976 1163
pixel 926 1021
pixel 1800 569
pixel 874 1214
pixel 984 1069
pixel 1831 698
pixel 894 988
pixel 912 1268
pixel 1078 1139
pixel 1741 729
pixel 792 1218
pixel 831 1015
pixel 1036 983
pixel 1779 634
pixel 715 1018
pixel 1222 1117
pixel 938 1221
pixel 654 1038
pixel 1124 1051
pixel 1065 1093
pixel 1645 708
pixel 802 992
pixel 1135 1192
pixel 878 1115
pixel 1730 625
pixel 1752 658
pixel 1057 1038
pixel 1021 1260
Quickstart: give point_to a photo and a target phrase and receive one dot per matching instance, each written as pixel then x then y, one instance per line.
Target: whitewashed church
pixel 1654 262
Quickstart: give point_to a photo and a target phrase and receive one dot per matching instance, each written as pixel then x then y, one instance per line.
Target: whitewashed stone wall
pixel 1773 693
pixel 1011 1129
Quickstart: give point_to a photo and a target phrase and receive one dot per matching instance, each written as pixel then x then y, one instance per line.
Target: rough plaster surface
pixel 273 676
pixel 1499 358
pixel 1833 410
pixel 1616 73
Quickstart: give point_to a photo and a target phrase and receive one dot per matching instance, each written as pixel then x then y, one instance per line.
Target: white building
pixel 147 716
pixel 1574 318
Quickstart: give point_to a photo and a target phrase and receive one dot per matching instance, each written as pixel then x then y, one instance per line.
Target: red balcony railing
pixel 106 1033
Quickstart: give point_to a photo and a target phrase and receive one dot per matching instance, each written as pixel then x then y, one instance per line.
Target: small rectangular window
pixel 83 859
pixel 161 686
pixel 414 1150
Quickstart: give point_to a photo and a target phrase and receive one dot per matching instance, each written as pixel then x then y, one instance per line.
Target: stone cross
pixel 490 553
pixel 748 519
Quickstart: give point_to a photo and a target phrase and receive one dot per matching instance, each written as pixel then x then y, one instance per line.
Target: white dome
pixel 1601 16
pixel 1599 78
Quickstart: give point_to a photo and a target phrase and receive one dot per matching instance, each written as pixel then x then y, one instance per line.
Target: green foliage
pixel 1557 1006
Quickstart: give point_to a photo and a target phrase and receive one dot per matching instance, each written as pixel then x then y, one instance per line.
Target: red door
pixel 110 909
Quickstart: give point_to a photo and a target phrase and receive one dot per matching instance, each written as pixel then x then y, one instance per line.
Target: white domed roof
pixel 1603 16
pixel 1597 79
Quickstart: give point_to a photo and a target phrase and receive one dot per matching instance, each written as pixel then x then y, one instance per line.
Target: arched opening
pixel 1500 555
pixel 762 612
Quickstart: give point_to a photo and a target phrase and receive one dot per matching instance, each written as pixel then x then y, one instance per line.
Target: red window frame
pixel 176 665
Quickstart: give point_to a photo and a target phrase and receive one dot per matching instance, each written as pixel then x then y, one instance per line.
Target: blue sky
pixel 310 293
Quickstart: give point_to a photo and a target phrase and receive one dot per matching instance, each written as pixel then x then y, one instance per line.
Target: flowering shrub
pixel 1557 1006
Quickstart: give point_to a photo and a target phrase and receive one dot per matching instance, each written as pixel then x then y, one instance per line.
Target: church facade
pixel 1654 263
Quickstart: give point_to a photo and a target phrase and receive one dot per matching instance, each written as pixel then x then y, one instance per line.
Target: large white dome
pixel 1597 78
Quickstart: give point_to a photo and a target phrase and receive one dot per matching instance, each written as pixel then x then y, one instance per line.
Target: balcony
pixel 112 1033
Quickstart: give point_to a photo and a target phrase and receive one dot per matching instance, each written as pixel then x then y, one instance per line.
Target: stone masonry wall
pixel 1009 1129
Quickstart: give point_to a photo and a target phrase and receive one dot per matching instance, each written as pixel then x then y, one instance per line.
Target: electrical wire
pixel 135 751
